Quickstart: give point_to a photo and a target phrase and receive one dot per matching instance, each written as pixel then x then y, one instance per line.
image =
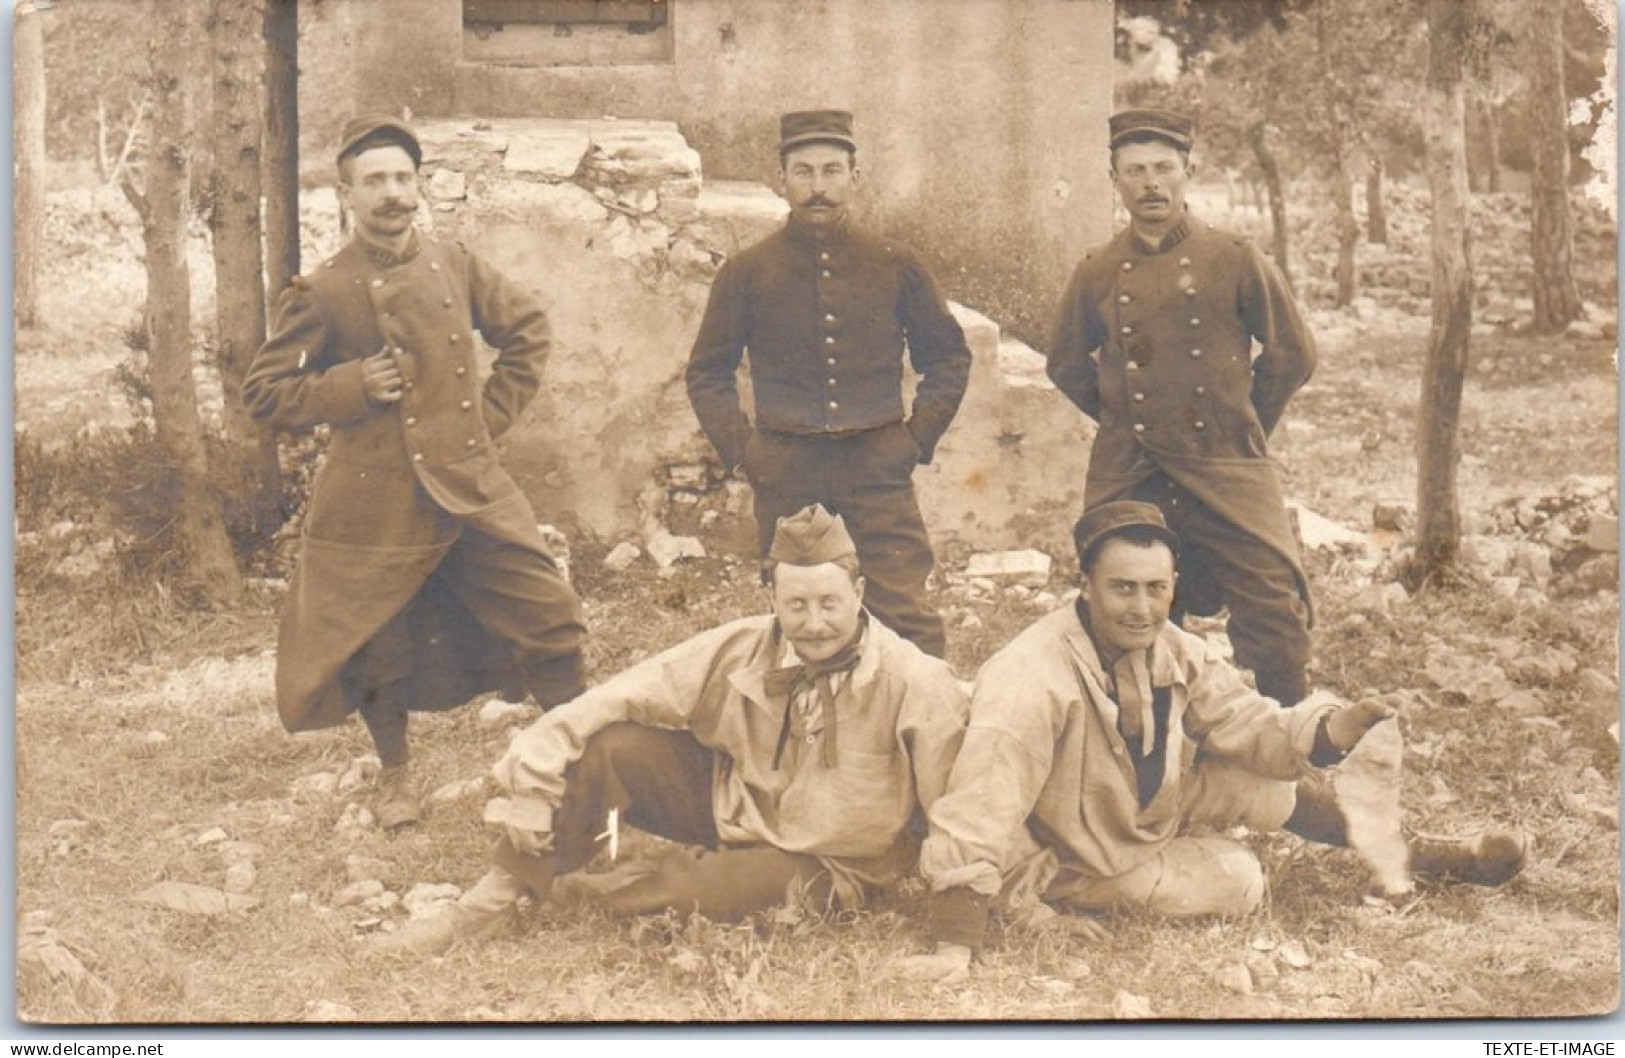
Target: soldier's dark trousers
pixel 519 595
pixel 660 782
pixel 1269 623
pixel 866 477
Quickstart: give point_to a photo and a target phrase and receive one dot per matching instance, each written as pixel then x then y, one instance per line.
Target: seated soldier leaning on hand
pixel 1103 734
pixel 796 750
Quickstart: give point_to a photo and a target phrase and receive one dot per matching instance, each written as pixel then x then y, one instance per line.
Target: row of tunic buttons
pixel 1196 321
pixel 1184 262
pixel 829 339
pixel 461 371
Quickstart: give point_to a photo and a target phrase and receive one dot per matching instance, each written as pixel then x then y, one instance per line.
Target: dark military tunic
pixel 1156 343
pixel 409 487
pixel 826 323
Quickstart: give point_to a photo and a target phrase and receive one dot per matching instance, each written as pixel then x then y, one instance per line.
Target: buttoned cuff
pixel 958 916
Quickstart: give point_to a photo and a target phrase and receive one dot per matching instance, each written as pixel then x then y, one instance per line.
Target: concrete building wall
pixel 981 122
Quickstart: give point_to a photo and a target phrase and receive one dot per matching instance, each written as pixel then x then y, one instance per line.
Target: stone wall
pixel 982 122
pixel 614 228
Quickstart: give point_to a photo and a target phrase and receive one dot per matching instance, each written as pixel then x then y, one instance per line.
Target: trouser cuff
pixel 554 681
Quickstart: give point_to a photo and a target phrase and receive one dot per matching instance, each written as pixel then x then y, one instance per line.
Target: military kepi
pixel 379 130
pixel 1120 514
pixel 816 126
pixel 811 537
pixel 1177 129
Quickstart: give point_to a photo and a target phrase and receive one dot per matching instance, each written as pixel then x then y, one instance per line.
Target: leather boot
pixel 479 913
pixel 554 681
pixel 1492 858
pixel 398 804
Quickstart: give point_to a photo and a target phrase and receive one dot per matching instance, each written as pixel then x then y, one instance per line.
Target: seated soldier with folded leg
pixel 795 750
pixel 1106 745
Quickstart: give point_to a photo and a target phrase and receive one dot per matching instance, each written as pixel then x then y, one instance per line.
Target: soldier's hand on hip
pixel 382 378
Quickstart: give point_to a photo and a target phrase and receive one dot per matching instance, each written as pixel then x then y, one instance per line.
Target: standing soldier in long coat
pixel 1156 343
pixel 423 577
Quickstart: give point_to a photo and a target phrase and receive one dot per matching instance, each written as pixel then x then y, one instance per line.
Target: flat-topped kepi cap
pixel 1097 522
pixel 378 130
pixel 811 537
pixel 1176 128
pixel 816 126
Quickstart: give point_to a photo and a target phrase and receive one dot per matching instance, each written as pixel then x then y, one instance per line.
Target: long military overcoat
pixel 400 481
pixel 1157 344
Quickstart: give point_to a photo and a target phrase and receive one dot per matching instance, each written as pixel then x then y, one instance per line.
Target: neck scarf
pixel 1131 687
pixel 819 676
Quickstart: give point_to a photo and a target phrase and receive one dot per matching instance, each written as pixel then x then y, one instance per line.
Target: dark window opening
pixel 637 16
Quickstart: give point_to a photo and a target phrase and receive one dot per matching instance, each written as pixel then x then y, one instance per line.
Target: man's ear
pixel 858 585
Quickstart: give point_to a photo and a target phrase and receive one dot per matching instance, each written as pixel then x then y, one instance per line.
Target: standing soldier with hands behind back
pixel 423 579
pixel 1156 343
pixel 826 312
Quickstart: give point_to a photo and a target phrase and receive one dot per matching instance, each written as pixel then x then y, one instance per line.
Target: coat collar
pixel 383 258
pixel 1170 238
pixel 805 235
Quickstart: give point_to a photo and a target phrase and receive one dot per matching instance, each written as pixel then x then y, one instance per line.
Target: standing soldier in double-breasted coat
pixel 423 577
pixel 1156 343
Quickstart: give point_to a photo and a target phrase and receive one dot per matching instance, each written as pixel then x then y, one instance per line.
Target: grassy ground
pixel 148 752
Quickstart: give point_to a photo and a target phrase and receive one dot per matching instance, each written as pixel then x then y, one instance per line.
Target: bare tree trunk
pixel 1444 372
pixel 1376 213
pixel 281 139
pixel 1557 299
pixel 1338 132
pixel 1257 138
pixel 1483 142
pixel 163 206
pixel 28 84
pixel 1492 147
pixel 236 44
pixel 1348 229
